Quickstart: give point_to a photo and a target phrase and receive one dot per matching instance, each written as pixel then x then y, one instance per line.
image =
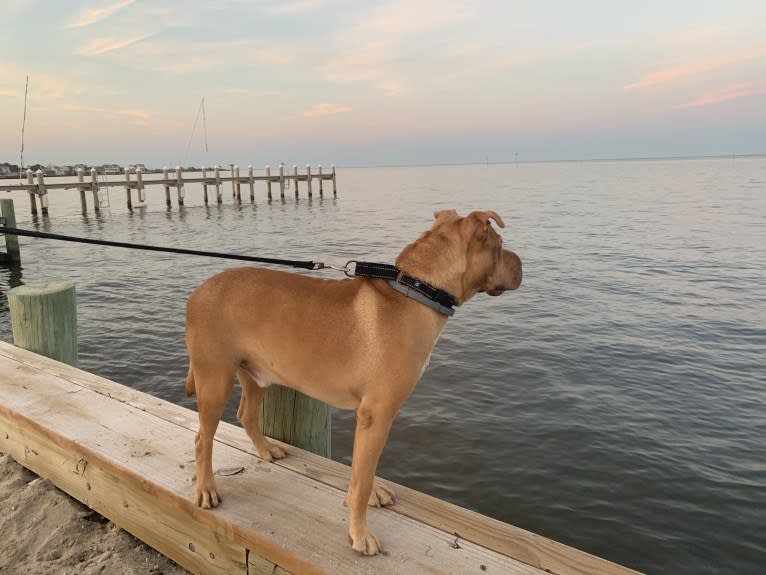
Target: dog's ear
pixel 481 221
pixel 445 215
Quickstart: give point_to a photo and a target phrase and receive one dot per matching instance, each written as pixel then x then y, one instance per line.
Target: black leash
pixel 309 265
pixel 402 282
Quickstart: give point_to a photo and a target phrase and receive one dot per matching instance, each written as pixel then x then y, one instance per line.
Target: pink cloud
pixel 326 110
pixel 667 75
pixel 727 93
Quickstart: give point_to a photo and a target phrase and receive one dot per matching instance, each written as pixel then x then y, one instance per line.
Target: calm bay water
pixel 616 402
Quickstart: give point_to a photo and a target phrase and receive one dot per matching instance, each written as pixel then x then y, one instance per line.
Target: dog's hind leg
pixel 212 392
pixel 250 402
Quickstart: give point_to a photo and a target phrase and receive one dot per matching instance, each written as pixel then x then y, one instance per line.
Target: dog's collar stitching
pixel 422 292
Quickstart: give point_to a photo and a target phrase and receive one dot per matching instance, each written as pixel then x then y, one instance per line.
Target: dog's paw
pixel 365 543
pixel 207 498
pixel 270 452
pixel 381 496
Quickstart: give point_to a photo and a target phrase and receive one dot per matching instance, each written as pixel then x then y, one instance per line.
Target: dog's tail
pixel 190 388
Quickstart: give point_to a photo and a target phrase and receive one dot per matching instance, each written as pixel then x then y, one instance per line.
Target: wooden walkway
pixel 130 457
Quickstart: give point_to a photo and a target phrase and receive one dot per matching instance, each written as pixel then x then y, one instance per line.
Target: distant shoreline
pixel 34 167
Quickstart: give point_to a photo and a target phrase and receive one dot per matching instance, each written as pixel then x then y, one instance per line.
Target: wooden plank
pixel 522 545
pixel 283 516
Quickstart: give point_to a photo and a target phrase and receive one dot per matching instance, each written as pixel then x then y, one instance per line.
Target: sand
pixel 43 531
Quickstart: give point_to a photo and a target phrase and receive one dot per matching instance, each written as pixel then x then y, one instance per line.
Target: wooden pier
pixel 130 456
pixel 213 179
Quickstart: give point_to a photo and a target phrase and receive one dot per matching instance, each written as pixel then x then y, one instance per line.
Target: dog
pixel 353 343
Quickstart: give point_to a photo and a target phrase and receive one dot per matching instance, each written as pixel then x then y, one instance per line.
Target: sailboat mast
pixel 23 127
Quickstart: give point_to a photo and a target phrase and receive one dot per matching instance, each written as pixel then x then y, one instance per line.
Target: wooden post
pixel 44 320
pixel 94 189
pixel 42 192
pixel 334 189
pixel 167 187
pixel 218 190
pixel 251 182
pixel 235 183
pixel 295 179
pixel 204 184
pixel 127 190
pixel 290 416
pixel 11 242
pixel 32 199
pixel 81 189
pixel 268 181
pixel 282 181
pixel 140 185
pixel 180 186
pixel 321 182
pixel 308 178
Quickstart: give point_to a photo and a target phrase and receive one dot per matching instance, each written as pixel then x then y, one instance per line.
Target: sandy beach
pixel 44 531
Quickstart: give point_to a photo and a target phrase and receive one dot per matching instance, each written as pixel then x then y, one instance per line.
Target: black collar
pixel 404 283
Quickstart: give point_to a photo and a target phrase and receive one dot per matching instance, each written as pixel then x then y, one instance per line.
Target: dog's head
pixel 465 255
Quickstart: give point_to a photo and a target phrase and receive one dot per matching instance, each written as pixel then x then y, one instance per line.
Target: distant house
pixel 5 169
pixel 54 170
pixel 112 169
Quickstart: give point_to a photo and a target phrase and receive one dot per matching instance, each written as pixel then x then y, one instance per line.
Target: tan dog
pixel 353 343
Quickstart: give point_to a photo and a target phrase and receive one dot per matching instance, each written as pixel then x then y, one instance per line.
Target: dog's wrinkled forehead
pixel 482 217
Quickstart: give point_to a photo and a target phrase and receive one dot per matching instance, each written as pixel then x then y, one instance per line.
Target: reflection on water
pixel 614 403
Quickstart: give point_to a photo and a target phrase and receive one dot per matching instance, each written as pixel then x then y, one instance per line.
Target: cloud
pixel 689 70
pixel 392 89
pixel 89 16
pixel 139 116
pixel 10 93
pixel 325 109
pixel 99 46
pixel 297 6
pixel 388 38
pixel 727 93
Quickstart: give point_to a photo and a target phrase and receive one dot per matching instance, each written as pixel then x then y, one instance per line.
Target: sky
pixel 370 83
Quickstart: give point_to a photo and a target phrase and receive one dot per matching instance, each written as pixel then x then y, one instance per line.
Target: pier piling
pixel 44 320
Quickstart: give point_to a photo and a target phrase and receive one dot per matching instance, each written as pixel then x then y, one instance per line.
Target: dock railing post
pixel 236 184
pixel 251 182
pixel 334 189
pixel 321 182
pixel 94 189
pixel 128 195
pixel 296 419
pixel 81 189
pixel 268 182
pixel 295 179
pixel 282 181
pixel 42 192
pixel 308 178
pixel 9 221
pixel 180 186
pixel 140 185
pixel 166 184
pixel 218 190
pixel 44 320
pixel 204 184
pixel 32 200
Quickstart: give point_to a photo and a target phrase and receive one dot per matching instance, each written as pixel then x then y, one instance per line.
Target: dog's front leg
pixel 373 422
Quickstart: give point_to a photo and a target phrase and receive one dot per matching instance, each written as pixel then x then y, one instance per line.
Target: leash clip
pixel 349 269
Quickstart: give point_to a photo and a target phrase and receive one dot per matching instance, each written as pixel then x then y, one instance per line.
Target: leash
pixel 410 286
pixel 309 265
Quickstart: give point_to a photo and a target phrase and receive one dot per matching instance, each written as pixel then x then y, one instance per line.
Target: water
pixel 615 402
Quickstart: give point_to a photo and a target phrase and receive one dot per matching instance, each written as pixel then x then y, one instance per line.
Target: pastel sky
pixel 360 83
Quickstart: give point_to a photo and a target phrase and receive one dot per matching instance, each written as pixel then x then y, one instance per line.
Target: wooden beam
pixel 136 468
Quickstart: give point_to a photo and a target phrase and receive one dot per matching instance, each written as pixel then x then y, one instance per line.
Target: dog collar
pixel 422 292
